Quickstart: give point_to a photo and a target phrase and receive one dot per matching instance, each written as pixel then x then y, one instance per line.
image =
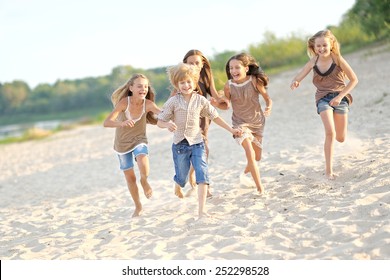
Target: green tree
pixel 373 16
pixel 13 95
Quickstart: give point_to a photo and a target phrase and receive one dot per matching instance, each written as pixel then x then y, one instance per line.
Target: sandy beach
pixel 64 197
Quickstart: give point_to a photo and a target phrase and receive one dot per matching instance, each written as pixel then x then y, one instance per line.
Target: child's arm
pixel 152 107
pixel 171 126
pixel 268 102
pixel 302 74
pixel 353 80
pixel 226 90
pixel 218 99
pixel 111 120
pixel 221 122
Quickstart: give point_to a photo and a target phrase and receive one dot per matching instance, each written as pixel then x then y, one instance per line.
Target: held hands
pixel 221 103
pixel 237 132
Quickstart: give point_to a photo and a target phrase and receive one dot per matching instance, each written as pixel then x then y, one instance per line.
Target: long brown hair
pixel 254 68
pixel 205 72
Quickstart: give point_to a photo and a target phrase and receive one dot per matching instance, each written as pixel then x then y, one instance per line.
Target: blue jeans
pixel 183 156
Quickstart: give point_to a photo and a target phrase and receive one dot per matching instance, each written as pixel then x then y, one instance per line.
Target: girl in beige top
pixel 134 107
pixel 333 98
pixel 246 82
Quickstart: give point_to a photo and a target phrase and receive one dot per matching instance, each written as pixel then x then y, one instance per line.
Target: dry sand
pixel 64 197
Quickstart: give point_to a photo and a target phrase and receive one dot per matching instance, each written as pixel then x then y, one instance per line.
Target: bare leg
pixel 133 188
pixel 341 125
pixel 251 164
pixel 192 180
pixel 258 152
pixel 209 194
pixel 143 166
pixel 202 193
pixel 328 122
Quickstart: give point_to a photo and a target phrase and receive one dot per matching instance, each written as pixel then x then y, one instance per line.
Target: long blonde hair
pixel 334 44
pixel 124 91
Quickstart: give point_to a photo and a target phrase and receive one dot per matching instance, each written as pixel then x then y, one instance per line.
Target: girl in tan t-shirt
pixel 134 107
pixel 330 70
pixel 246 82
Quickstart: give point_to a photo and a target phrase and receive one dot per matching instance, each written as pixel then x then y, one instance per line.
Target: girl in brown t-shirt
pixel 246 83
pixel 333 98
pixel 134 107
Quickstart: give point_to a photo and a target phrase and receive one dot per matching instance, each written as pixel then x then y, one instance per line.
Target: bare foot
pixel 260 189
pixel 178 191
pixel 331 176
pixel 147 189
pixel 209 194
pixel 137 211
pixel 246 171
pixel 203 215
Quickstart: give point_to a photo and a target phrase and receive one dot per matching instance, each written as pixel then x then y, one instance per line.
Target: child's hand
pixel 237 132
pixel 335 101
pixel 294 84
pixel 224 103
pixel 171 126
pixel 214 102
pixel 129 123
pixel 267 111
pixel 221 103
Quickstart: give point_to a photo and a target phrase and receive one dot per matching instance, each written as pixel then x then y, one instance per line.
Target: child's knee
pixel 340 139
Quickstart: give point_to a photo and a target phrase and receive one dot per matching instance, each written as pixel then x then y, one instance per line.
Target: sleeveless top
pixel 332 81
pixel 247 112
pixel 127 138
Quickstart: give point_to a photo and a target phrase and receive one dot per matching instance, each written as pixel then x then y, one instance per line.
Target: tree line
pixel 366 22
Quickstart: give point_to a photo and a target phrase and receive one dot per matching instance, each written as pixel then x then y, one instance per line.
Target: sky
pixel 42 41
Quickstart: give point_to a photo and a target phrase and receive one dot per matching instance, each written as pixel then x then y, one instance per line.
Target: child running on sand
pixel 333 98
pixel 206 87
pixel 134 107
pixel 181 114
pixel 246 80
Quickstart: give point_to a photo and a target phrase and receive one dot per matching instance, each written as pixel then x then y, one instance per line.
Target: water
pixel 16 130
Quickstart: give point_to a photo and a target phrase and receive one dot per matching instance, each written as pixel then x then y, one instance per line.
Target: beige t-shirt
pixel 127 138
pixel 247 112
pixel 186 116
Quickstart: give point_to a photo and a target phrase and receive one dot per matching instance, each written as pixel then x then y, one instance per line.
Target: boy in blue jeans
pixel 181 115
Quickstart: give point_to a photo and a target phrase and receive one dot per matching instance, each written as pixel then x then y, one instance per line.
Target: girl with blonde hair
pixel 134 107
pixel 333 95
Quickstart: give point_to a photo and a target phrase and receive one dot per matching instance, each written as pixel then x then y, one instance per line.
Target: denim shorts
pixel 126 161
pixel 323 104
pixel 183 156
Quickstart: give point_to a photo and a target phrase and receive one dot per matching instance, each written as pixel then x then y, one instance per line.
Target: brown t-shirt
pixel 127 138
pixel 246 107
pixel 331 81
